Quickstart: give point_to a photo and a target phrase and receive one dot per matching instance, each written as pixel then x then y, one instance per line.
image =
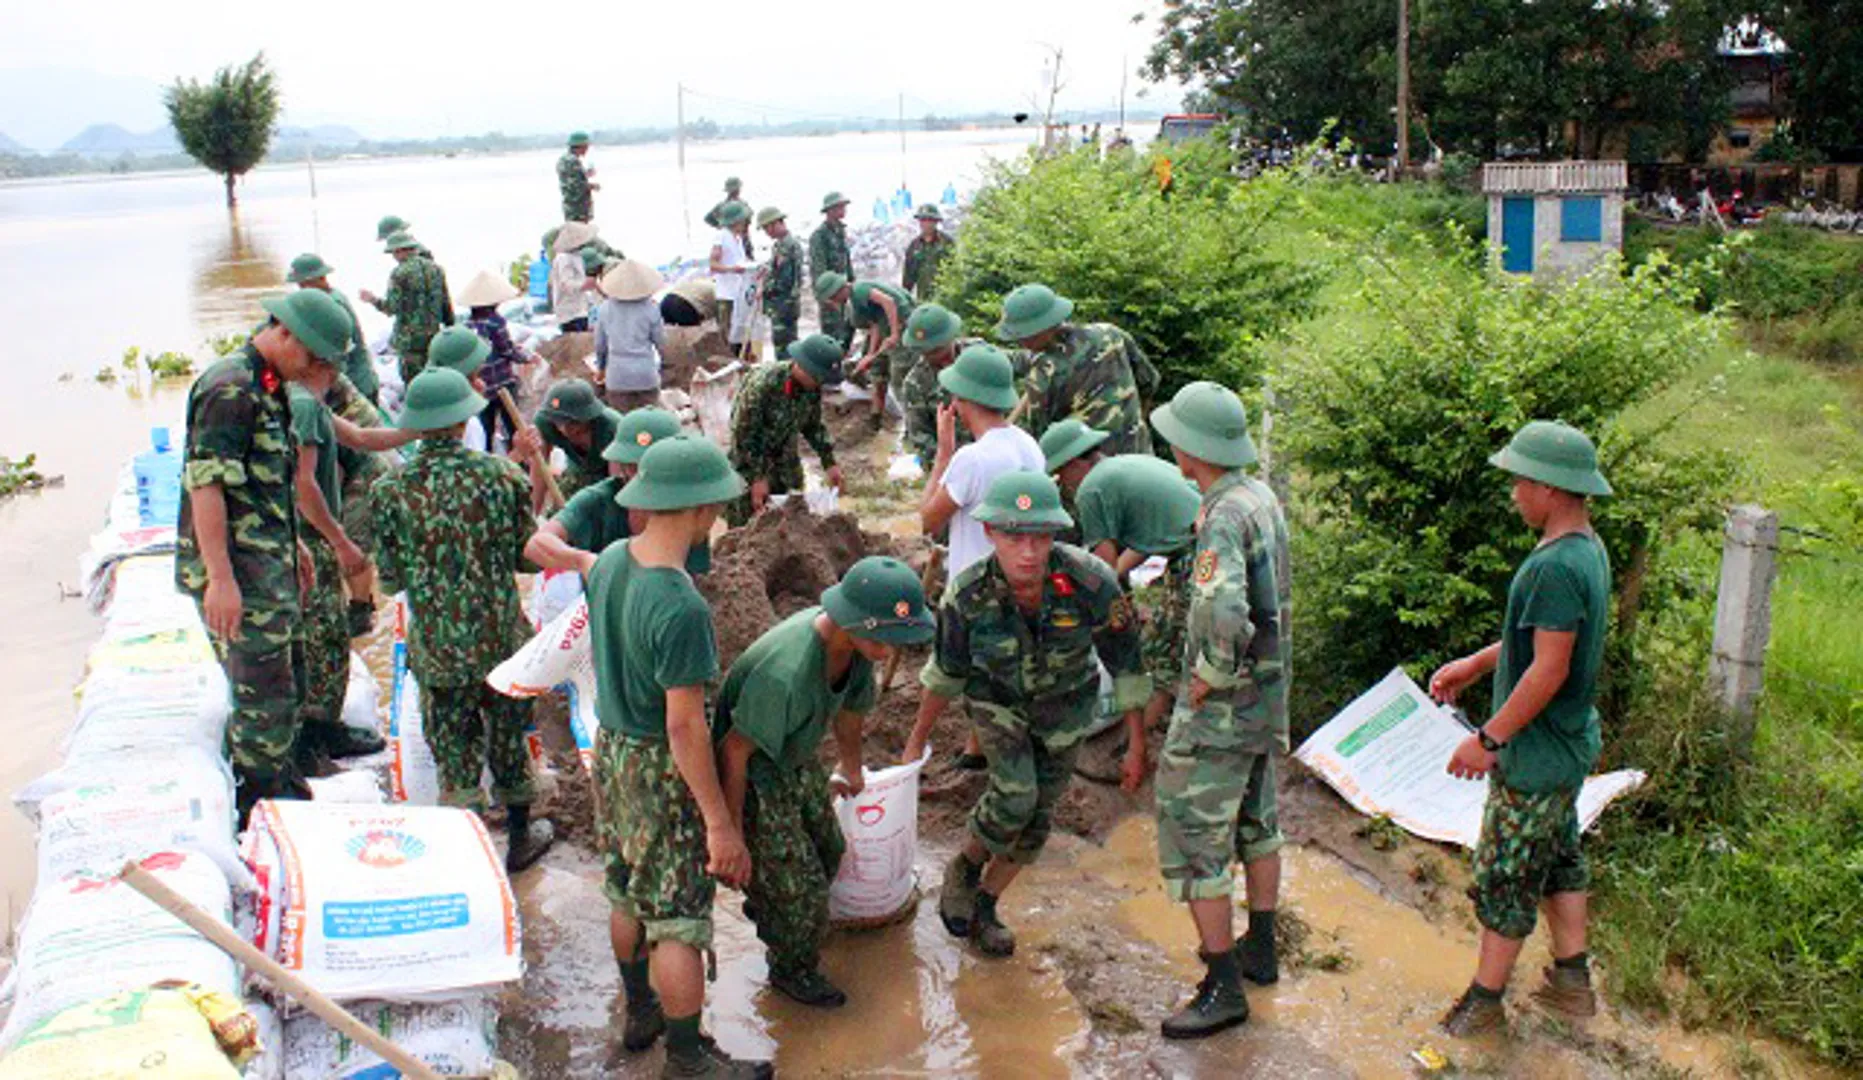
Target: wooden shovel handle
pixel 518 423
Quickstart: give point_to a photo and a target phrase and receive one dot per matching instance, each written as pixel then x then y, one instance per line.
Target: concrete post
pixel 1743 607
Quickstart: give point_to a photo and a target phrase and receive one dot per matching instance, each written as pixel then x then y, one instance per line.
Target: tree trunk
pixel 232 200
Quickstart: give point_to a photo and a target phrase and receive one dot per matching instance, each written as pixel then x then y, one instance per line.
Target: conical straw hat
pixel 631 279
pixel 487 289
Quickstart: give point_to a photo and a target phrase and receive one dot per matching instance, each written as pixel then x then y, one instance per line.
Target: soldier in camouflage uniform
pixel 1017 635
pixel 593 519
pixel 572 419
pixel 1094 373
pixel 734 192
pixel 813 670
pixel 309 271
pixel 668 835
pixel 417 298
pixel 237 547
pixel 1131 507
pixel 450 530
pixel 1216 773
pixel 829 254
pixel 925 253
pixel 572 176
pixel 932 341
pixel 359 469
pixel 782 281
pixel 777 403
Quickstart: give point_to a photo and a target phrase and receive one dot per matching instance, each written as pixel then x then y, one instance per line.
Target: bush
pixel 1773 272
pixel 1186 274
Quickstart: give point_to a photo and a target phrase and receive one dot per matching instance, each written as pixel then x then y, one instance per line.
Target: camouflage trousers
pixel 472 728
pixel 266 673
pixel 784 320
pixel 1028 772
pixel 1161 638
pixel 1529 850
pixel 837 324
pixel 1215 805
pixel 653 841
pixel 358 517
pixel 324 633
pixel 795 847
pixel 412 364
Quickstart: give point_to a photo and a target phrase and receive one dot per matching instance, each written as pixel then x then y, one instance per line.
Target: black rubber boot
pixel 957 897
pixel 987 932
pixel 1218 1006
pixel 809 987
pixel 1258 962
pixel 646 1021
pixel 528 839
pixel 708 1062
pixel 342 741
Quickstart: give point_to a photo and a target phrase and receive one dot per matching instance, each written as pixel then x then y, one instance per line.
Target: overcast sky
pixel 398 69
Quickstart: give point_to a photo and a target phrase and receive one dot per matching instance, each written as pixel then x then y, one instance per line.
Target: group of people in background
pixel 1046 495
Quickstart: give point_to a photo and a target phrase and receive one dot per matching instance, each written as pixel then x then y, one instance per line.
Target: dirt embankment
pixel 687 349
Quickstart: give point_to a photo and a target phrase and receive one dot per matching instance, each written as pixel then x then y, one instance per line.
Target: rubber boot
pixel 810 987
pixel 343 741
pixel 1255 951
pixel 1567 991
pixel 1218 1006
pixel 957 897
pixel 987 932
pixel 646 1021
pixel 528 839
pixel 708 1062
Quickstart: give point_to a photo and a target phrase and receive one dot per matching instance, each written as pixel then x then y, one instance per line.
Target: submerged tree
pixel 226 123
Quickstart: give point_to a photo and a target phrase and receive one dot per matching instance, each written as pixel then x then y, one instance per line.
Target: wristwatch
pixel 1487 741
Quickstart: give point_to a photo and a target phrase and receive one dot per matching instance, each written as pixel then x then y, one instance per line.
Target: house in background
pixel 1757 61
pixel 1554 219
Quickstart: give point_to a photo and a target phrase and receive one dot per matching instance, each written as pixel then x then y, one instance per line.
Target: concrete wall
pixel 1554 259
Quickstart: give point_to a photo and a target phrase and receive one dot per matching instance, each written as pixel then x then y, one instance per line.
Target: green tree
pixel 1825 66
pixel 226 123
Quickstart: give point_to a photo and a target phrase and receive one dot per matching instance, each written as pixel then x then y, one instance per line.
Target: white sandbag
pixel 583 723
pixel 821 502
pixel 905 468
pixel 385 902
pixel 88 935
pixel 712 394
pixel 95 813
pixel 270 1062
pixel 360 787
pixel 456 1037
pixel 123 709
pixel 552 593
pixel 414 776
pixel 362 698
pixel 550 658
pixel 881 825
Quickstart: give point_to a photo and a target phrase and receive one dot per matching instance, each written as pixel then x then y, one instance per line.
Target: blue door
pixel 1517 236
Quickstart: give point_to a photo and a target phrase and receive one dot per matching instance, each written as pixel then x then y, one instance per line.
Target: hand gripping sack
pixel 878 878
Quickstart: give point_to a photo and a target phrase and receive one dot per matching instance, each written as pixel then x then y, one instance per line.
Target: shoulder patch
pixel 1206 566
pixel 1121 617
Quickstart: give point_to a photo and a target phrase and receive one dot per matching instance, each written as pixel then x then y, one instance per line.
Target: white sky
pixel 392 68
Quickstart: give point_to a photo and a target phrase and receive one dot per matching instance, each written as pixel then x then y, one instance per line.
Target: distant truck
pixel 1181 127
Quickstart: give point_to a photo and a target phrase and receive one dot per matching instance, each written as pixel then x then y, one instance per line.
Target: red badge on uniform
pixel 1206 567
pixel 1063 585
pixel 268 379
pixel 789 386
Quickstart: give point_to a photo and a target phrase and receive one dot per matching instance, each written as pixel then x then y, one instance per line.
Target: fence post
pixel 1743 607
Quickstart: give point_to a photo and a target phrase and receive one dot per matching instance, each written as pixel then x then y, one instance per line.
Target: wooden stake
pixel 300 991
pixel 518 423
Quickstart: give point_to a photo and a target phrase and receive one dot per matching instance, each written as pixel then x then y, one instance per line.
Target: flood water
pixel 90 267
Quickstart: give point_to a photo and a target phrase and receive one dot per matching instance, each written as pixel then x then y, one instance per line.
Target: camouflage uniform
pixel 650 872
pixel 796 847
pixel 1163 625
pixel 585 466
pixel 1216 773
pixel 451 529
pixel 828 251
pixel 1096 374
pixel 922 262
pixel 578 200
pixel 782 291
pixel 1032 684
pixel 359 467
pixel 418 301
pixel 1529 850
pixel 771 410
pixel 323 632
pixel 239 437
pixel 358 364
pixel 920 397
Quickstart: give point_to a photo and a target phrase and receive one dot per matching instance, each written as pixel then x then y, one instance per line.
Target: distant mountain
pixel 116 139
pixel 8 146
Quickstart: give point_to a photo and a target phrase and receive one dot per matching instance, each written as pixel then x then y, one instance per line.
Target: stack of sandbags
pixel 171 1033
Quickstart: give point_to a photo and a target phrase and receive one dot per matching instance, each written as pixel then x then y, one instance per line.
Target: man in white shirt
pixel 982 386
pixel 731 266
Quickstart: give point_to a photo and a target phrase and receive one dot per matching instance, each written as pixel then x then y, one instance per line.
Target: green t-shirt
pixel 776 696
pixel 866 312
pixel 1562 585
pixel 1140 502
pixel 593 520
pixel 651 632
pixel 312 425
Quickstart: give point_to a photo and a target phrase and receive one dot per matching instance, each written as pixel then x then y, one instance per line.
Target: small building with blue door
pixel 1554 219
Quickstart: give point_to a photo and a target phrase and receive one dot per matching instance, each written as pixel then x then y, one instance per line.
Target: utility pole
pixel 902 140
pixel 679 114
pixel 1124 71
pixel 1403 87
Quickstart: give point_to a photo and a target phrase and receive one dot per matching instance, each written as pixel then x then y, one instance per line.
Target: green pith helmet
pixel 680 473
pixel 1023 501
pixel 929 212
pixel 930 326
pixel 880 598
pixel 438 398
pixel 733 212
pixel 315 319
pixel 308 267
pixel 592 261
pixel 578 138
pixel 733 185
pixel 820 356
pixel 639 429
pixel 1030 309
pixel 829 283
pixel 1207 422
pixel 570 399
pixel 1067 440
pixel 832 200
pixel 399 241
pixel 769 214
pixel 460 348
pixel 984 375
pixel 389 226
pixel 1557 455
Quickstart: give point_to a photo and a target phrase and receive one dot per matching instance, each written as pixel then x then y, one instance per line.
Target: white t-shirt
pixel 972 468
pixel 730 247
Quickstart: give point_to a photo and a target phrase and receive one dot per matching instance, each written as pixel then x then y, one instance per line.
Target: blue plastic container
pixel 950 195
pixel 881 212
pixel 158 481
pixel 540 279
